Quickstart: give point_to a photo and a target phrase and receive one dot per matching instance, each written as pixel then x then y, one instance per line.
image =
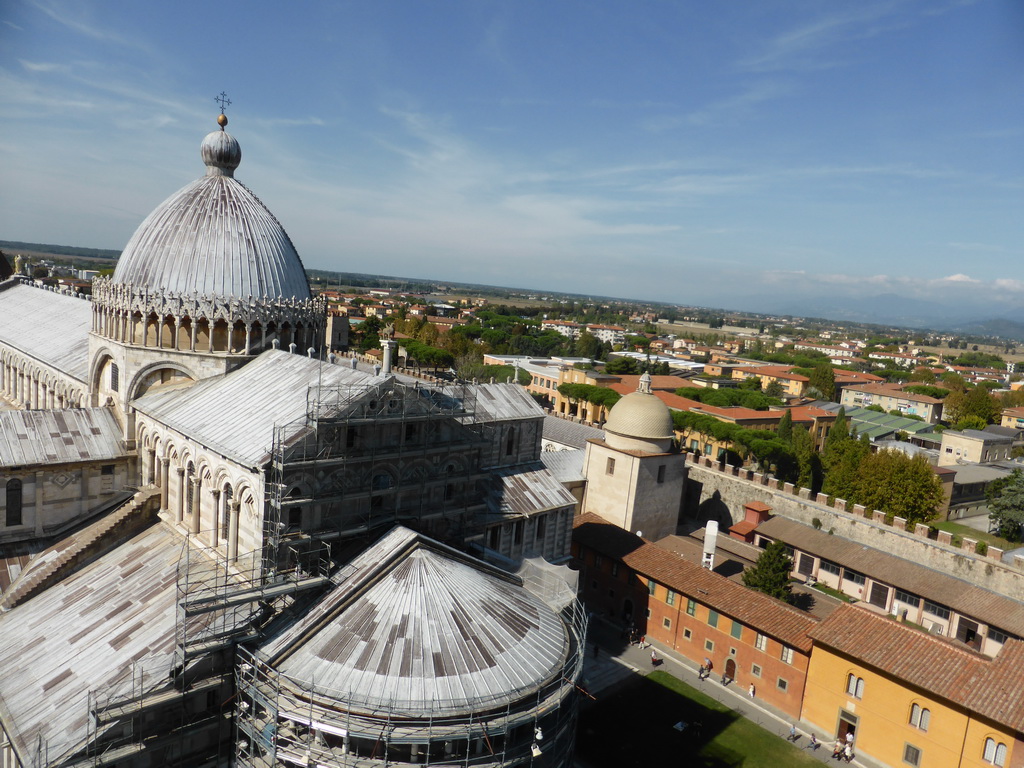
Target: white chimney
pixel 710 542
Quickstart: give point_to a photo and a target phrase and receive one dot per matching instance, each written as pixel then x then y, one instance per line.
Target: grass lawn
pixel 832 592
pixel 958 529
pixel 633 727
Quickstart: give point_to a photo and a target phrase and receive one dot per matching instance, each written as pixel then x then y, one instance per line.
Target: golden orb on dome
pixel 222 120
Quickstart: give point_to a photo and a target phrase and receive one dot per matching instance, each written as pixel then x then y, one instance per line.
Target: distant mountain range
pixel 895 310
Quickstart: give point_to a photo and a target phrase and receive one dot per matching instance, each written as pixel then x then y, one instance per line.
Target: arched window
pixel 995 753
pixel 920 717
pixel 13 502
pixel 114 377
pixel 382 482
pixel 225 514
pixel 189 490
pixel 855 686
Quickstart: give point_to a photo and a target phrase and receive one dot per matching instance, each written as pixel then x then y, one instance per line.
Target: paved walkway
pixel 617 661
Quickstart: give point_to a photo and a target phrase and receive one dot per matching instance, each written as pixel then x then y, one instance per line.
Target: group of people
pixel 705 669
pixel 843 748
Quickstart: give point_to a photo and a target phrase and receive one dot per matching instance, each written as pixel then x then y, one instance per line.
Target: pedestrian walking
pixel 750 691
pixel 654 658
pixel 813 744
pixel 792 733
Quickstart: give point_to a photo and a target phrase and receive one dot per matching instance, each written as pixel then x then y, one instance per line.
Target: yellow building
pixel 908 698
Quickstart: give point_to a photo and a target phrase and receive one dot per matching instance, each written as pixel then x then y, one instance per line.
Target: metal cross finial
pixel 223 100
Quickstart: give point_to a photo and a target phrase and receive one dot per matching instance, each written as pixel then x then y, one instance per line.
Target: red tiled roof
pixel 989 687
pixel 754 609
pixel 743 527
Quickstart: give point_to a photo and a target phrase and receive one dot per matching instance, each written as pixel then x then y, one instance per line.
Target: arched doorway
pixel 730 669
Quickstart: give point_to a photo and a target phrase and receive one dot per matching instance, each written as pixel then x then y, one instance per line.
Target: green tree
pixel 899 485
pixel 1006 507
pixel 773 389
pixel 836 437
pixel 977 401
pixel 588 346
pixel 842 468
pixel 785 431
pixel 770 574
pixel 621 366
pixel 823 379
pixel 807 460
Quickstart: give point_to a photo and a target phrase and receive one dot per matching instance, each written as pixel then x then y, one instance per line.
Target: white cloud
pixel 41 66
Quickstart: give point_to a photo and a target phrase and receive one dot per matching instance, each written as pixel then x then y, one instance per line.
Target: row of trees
pixel 898 484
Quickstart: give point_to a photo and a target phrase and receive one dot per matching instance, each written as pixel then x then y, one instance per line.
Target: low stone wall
pixel 735 487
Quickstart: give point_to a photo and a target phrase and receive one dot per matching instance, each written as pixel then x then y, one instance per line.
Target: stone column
pixel 181 493
pixel 233 531
pixel 151 467
pixel 215 528
pixel 197 506
pixel 165 485
pixel 195 330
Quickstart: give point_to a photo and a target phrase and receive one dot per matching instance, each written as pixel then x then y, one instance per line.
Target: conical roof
pixel 430 632
pixel 214 238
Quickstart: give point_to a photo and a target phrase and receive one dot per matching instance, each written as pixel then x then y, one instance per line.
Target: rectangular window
pixel 651 587
pixel 107 469
pixel 760 642
pixel 661 473
pixel 610 467
pixel 787 654
pixel 755 670
pixel 598 560
pixel 709 646
pixel 906 597
pixel 936 610
pixel 542 527
pixel 517 532
pixel 782 684
pixel 666 623
pixel 713 618
pixel 911 755
pixel 996 636
pixel 687 634
pixel 670 597
pixel 691 609
pixel 737 630
pixel 829 567
pixel 856 578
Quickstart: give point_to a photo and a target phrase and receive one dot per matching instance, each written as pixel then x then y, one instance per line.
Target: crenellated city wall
pixel 735 487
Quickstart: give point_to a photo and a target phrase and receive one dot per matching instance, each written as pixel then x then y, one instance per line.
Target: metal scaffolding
pixel 282 720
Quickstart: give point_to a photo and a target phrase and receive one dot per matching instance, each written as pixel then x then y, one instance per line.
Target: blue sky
pixel 746 155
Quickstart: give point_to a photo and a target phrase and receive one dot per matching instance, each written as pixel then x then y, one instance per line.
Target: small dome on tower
pixel 640 421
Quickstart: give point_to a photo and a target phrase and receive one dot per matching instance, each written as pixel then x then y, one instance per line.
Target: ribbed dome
pixel 214 237
pixel 641 415
pixel 435 635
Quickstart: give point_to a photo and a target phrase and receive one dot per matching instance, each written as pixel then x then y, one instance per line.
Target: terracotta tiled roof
pixel 988 687
pixel 765 614
pixel 743 527
pixel 964 598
